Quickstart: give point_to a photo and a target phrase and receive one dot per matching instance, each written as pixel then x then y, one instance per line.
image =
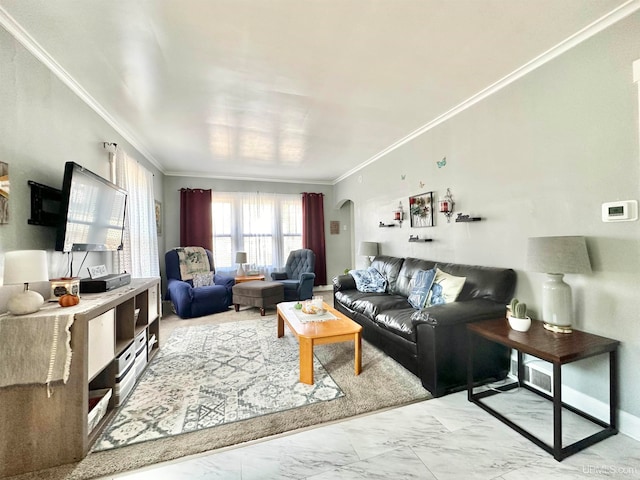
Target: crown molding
pixel 249 179
pixel 30 43
pixel 604 22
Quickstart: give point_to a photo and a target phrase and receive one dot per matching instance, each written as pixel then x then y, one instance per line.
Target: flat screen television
pixel 92 212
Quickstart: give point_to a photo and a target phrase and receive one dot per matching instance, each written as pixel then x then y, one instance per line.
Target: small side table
pixel 249 278
pixel 558 349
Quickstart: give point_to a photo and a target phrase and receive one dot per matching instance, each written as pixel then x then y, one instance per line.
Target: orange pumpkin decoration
pixel 69 300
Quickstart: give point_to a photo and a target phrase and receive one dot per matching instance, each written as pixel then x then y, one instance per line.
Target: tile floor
pixel 444 438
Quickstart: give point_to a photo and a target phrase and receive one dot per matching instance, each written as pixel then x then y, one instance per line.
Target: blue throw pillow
pixel 369 280
pixel 422 281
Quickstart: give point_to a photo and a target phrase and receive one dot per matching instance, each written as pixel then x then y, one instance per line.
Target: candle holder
pixel 445 206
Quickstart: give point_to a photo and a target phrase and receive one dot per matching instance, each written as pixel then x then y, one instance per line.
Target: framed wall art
pixel 158 210
pixel 4 192
pixel 421 210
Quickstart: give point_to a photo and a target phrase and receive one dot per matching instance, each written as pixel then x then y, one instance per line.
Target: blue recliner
pixel 190 302
pixel 298 276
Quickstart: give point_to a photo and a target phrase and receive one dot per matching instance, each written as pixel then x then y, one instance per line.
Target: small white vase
pixel 520 324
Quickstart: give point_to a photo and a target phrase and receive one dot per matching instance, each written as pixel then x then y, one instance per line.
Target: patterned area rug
pixel 209 375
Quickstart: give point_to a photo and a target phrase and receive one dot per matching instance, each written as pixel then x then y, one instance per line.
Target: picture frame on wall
pixel 421 210
pixel 158 210
pixel 4 192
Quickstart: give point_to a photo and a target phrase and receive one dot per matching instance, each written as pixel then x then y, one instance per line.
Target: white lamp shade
pixel 558 255
pixel 25 266
pixel 241 257
pixel 368 249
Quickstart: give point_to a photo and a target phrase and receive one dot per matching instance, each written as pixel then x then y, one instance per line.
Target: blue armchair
pixel 298 276
pixel 190 302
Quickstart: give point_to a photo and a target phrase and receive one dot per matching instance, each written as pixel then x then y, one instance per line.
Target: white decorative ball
pixel 25 302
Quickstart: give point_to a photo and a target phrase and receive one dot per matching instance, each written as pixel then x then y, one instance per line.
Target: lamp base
pixel 558 328
pixel 25 302
pixel 556 303
pixel 240 272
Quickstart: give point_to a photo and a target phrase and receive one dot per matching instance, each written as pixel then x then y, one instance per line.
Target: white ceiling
pixel 288 90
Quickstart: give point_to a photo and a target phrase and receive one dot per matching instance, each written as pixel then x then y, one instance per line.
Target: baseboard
pixel 628 424
pixel 323 287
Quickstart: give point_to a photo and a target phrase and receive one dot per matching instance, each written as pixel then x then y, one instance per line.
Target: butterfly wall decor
pixel 442 162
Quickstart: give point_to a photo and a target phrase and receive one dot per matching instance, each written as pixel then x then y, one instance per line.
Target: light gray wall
pixel 43 125
pixel 337 246
pixel 537 158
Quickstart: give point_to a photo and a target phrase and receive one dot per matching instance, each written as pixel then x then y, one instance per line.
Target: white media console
pixel 113 336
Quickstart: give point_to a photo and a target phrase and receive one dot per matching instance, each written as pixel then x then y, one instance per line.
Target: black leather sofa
pixel 435 350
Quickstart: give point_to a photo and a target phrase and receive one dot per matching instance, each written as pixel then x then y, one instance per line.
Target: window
pixel 266 226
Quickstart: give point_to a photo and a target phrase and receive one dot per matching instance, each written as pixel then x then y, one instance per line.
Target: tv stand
pixel 39 431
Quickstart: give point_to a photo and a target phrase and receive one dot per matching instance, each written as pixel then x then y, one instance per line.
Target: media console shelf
pixel 41 431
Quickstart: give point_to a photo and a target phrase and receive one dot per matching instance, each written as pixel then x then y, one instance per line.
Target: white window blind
pixel 265 225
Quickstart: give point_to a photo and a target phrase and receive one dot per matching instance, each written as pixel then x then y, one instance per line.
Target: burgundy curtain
pixel 195 218
pixel 313 232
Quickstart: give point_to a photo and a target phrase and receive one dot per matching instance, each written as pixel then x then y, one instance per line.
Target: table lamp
pixel 241 259
pixel 368 249
pixel 556 256
pixel 25 266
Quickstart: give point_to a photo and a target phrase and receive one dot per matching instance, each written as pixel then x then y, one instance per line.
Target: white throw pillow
pixel 202 279
pixel 445 288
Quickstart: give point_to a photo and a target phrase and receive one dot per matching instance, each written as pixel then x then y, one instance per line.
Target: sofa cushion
pixel 422 281
pixel 445 288
pixel 349 297
pixel 410 267
pixel 399 322
pixel 371 306
pixel 389 267
pixel 369 280
pixel 491 283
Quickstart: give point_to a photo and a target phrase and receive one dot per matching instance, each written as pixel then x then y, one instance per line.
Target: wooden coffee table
pixel 342 329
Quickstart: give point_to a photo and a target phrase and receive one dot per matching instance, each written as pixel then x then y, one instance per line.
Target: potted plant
pixel 518 319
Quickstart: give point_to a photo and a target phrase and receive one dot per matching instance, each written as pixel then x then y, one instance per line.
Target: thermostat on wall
pixel 622 211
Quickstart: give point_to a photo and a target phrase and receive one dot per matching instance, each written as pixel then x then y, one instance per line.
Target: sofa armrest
pixel 464 312
pixel 344 282
pixel 278 276
pixel 305 289
pixel 224 280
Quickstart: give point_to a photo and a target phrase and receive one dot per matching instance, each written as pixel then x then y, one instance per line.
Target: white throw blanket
pixel 192 260
pixel 35 349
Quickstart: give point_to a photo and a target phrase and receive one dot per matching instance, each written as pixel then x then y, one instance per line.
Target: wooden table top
pixel 550 346
pixel 343 325
pixel 249 278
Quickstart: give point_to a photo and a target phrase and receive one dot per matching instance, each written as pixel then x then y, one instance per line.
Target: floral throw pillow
pixel 445 288
pixel 202 279
pixel 369 280
pixel 422 281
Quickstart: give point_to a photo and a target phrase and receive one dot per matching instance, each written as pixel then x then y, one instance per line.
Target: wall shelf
pixel 386 225
pixel 466 218
pixel 421 239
